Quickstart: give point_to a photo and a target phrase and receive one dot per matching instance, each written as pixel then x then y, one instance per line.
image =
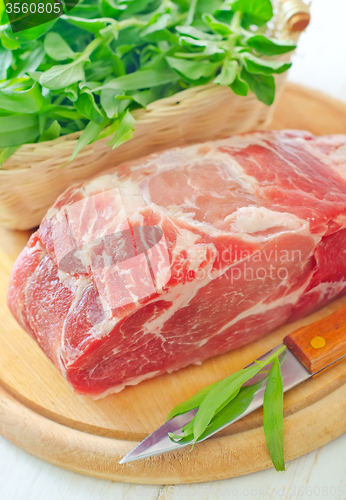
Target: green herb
pixel 222 402
pixel 14 127
pixel 88 70
pixel 6 153
pixel 273 421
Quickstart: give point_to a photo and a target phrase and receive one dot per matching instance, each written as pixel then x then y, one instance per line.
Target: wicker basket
pixel 32 178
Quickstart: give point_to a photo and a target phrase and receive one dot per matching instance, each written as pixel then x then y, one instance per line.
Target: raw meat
pixel 184 255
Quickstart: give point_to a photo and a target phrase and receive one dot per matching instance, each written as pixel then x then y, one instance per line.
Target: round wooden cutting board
pixel 40 413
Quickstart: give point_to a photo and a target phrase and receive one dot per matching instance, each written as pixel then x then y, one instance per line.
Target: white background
pixel 320 62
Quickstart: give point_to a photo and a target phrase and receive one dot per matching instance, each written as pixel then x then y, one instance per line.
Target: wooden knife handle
pixel 321 343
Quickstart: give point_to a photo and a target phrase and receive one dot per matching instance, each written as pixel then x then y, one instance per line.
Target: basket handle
pixel 295 15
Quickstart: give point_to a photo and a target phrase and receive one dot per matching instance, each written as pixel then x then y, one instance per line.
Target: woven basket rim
pixel 152 108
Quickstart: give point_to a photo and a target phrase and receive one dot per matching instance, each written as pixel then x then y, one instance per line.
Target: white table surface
pixel 320 62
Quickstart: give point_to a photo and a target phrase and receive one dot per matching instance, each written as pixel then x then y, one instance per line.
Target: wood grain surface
pixel 40 413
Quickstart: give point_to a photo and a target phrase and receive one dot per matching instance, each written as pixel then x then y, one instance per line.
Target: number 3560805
pixel 33 8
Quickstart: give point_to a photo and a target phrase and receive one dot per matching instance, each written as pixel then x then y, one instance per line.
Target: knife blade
pixel 310 351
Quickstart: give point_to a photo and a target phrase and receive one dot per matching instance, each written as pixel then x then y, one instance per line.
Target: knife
pixel 311 350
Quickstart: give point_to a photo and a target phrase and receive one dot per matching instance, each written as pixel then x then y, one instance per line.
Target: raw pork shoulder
pixel 184 255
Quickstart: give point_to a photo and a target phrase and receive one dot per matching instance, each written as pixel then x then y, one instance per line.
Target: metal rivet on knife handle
pixel 318 342
pixel 306 342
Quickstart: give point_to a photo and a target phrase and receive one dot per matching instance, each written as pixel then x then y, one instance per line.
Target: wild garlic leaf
pixel 145 97
pixel 59 111
pixel 210 49
pixel 88 135
pixel 30 63
pixel 191 403
pixel 110 8
pixel 64 75
pixel 160 23
pixel 234 409
pixel 193 70
pixel 24 101
pixel 42 121
pixel 109 103
pixel 56 47
pixel 71 92
pixel 141 80
pixel 269 47
pixel 6 153
pixel 134 7
pixel 273 422
pixel 226 406
pixel 85 10
pixel 8 42
pixel 220 28
pixel 35 75
pixel 52 132
pixel 188 41
pixel 223 402
pixel 5 62
pixel 3 14
pixel 254 64
pixel 263 86
pixel 197 34
pixel 225 390
pixel 239 86
pixel 18 129
pixel 91 25
pixel 176 437
pixel 87 106
pixel 26 37
pixel 124 131
pixel 191 12
pixel 228 73
pixel 61 76
pixel 256 11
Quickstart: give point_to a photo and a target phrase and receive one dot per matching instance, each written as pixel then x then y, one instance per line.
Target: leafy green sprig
pixel 87 71
pixel 222 402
